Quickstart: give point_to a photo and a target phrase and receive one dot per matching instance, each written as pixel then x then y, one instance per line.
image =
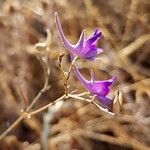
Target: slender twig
pixel 60 64
pixel 64 97
pixel 21 94
pixel 91 101
pixel 66 75
pixel 45 87
pixel 82 94
pixel 11 127
pixel 79 98
pixel 71 66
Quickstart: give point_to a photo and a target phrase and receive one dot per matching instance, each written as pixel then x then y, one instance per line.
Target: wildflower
pixel 84 48
pixel 98 88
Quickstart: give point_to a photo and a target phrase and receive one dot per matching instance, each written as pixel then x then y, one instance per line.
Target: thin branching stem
pixel 11 127
pixel 66 75
pixel 64 97
pixel 45 87
pixel 26 112
pixel 22 95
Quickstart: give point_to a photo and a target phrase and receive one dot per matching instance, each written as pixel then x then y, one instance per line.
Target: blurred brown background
pixel 77 125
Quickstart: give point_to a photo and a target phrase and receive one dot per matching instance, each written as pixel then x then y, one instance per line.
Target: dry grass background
pixel 76 125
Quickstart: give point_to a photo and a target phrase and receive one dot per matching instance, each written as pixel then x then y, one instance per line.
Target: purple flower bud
pixel 98 88
pixel 84 48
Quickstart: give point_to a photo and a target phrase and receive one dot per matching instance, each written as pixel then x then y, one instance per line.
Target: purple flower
pixel 84 48
pixel 98 88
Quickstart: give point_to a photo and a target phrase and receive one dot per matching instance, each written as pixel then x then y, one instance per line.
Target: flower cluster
pixel 86 48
